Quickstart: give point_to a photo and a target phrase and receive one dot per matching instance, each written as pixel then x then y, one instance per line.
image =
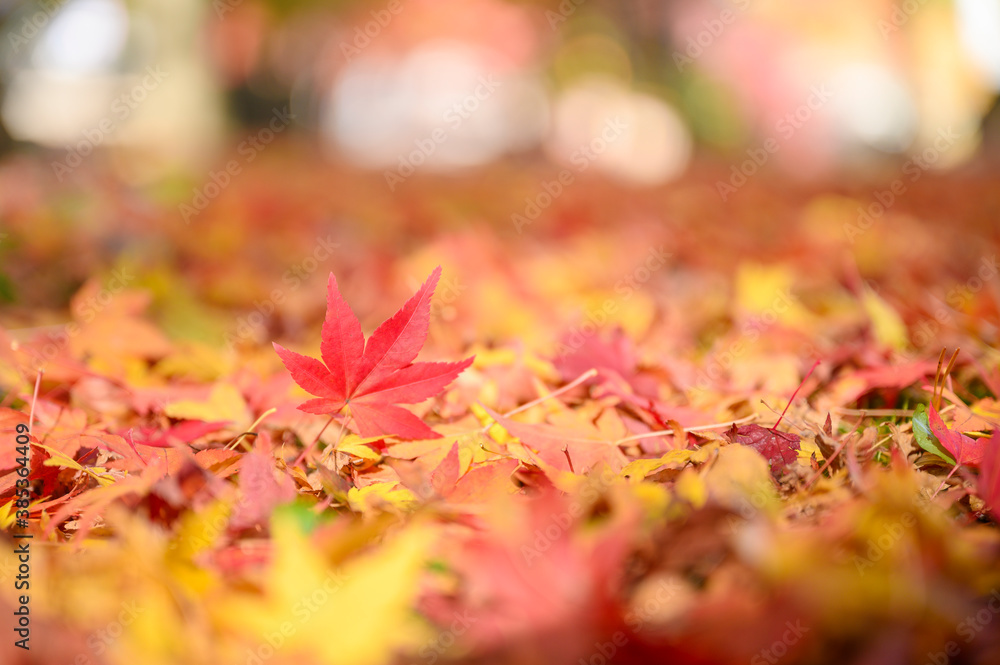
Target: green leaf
pixel 925 437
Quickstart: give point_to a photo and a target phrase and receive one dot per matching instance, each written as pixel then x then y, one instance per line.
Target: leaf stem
pixel 946 479
pixel 308 449
pixel 697 428
pixel 792 398
pixel 232 444
pixel 589 374
pixel 34 398
pixel 827 464
pixel 568 459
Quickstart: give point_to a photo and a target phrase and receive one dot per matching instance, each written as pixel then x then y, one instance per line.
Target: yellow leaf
pixel 888 327
pixel 486 357
pixel 64 461
pixel 741 479
pixel 767 291
pixel 691 487
pixel 378 497
pixel 496 432
pixel 808 448
pixel 7 515
pixel 224 403
pixel 654 498
pixel 194 360
pixel 199 531
pixel 638 469
pixel 358 614
pixel 354 445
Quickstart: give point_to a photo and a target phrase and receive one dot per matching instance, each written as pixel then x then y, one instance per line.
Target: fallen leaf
pixel 988 483
pixel 371 377
pixel 925 437
pixel 779 448
pixel 964 449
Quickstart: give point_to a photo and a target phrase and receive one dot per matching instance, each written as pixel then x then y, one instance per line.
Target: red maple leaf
pixel 371 377
pixel 964 449
pixel 779 448
pixel 988 485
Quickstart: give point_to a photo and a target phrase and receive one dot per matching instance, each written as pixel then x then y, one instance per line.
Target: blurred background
pixel 215 143
pixel 154 88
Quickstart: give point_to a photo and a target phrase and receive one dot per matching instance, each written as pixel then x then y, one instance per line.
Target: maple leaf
pixel 371 377
pixel 779 448
pixel 988 484
pixel 964 449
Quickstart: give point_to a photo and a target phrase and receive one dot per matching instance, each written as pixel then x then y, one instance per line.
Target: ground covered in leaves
pixel 567 446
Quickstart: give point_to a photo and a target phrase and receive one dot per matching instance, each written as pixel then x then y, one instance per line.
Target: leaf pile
pixel 231 464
